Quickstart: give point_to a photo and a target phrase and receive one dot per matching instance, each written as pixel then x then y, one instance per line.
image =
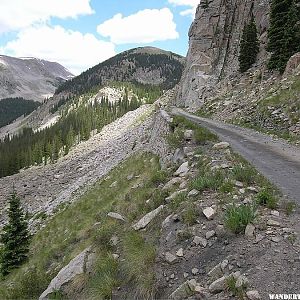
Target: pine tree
pixel 15 237
pixel 284 32
pixel 249 46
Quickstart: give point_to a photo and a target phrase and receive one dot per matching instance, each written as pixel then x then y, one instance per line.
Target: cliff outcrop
pixel 214 41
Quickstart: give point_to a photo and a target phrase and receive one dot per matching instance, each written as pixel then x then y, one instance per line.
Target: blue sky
pixel 81 33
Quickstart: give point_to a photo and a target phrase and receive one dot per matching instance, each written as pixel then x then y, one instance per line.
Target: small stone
pixel 174 195
pixel 129 177
pixel 220 230
pixel 142 223
pixel 252 189
pixel 182 170
pixel 221 145
pixel 179 253
pixel 193 193
pixel 200 241
pixel 195 271
pixel 188 134
pixel 273 223
pixel 224 264
pixel 218 286
pixel 242 191
pixel 116 256
pixel 181 292
pixel 170 258
pixel 216 271
pixel 249 231
pixel 116 216
pixel 210 234
pixel 209 213
pixel 238 184
pixel 275 213
pixel 172 276
pixel 275 239
pixel 185 275
pixel 253 295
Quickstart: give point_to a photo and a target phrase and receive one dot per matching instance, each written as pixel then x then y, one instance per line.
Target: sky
pixel 82 33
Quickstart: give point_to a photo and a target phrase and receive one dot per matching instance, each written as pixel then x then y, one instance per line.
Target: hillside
pixel 30 78
pixel 12 108
pixel 145 66
pixel 71 117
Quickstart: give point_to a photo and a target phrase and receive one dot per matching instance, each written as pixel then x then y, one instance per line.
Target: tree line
pixel 46 146
pixel 283 36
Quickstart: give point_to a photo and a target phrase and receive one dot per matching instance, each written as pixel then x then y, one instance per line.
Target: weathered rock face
pixel 214 46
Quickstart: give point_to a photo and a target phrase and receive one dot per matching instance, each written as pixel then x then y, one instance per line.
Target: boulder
pixel 179 253
pixel 210 234
pixel 143 222
pixel 200 241
pixel 76 266
pixel 273 223
pixel 182 292
pixel 292 64
pixel 178 156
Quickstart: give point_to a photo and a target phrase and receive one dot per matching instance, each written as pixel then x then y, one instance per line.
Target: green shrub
pixel 238 217
pixel 246 174
pixel 202 135
pixel 209 181
pixel 290 206
pixel 175 203
pixel 237 292
pixel 190 215
pixel 104 278
pixel 159 177
pixel 266 198
pixel 227 187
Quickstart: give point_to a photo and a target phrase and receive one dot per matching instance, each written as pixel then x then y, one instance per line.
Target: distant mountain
pixel 144 66
pixel 30 78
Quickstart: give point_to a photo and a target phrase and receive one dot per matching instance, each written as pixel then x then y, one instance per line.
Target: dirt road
pixel 275 159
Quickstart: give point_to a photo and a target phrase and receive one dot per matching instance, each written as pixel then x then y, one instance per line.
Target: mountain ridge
pixel 30 78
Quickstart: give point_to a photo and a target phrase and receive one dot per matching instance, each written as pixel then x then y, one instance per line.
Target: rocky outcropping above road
pixel 214 45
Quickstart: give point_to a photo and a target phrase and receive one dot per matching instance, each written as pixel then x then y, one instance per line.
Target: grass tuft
pixel 238 217
pixel 266 198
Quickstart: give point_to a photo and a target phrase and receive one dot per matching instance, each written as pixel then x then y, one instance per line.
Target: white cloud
pixel 190 3
pixel 74 50
pixel 145 26
pixel 18 14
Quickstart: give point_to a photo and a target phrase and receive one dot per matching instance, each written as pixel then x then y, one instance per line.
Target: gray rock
pixel 221 145
pixel 188 134
pixel 195 271
pixel 182 170
pixel 210 234
pixel 170 258
pixel 200 241
pixel 182 292
pixel 193 193
pixel 253 295
pixel 172 182
pixel 143 222
pixel 218 286
pixel 249 231
pixel 273 223
pixel 178 156
pixel 216 271
pixel 209 213
pixel 76 266
pixel 116 216
pixel 180 253
pixel 175 194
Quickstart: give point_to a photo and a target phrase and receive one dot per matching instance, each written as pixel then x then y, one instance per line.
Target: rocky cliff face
pixel 214 40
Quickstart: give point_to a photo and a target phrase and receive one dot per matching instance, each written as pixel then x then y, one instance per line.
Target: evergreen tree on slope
pixel 15 237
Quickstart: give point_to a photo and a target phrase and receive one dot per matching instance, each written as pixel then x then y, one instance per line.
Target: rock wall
pixel 214 41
